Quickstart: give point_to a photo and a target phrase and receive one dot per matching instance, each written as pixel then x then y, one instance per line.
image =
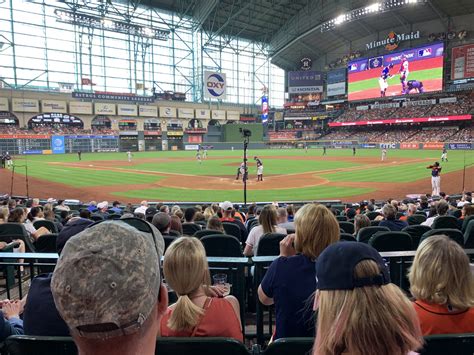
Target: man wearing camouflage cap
pixel 107 288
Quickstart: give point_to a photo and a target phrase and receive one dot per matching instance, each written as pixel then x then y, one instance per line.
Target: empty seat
pixel 372 215
pixel 416 231
pixel 454 234
pixel 364 234
pixel 347 237
pixel 416 219
pixel 374 223
pixel 190 228
pixel 347 227
pixel 168 240
pixel 341 218
pixel 466 221
pixel 46 243
pixel 222 245
pixel 40 345
pixel 11 231
pixel 199 345
pixel 391 241
pixel 445 222
pixel 204 232
pixel 269 244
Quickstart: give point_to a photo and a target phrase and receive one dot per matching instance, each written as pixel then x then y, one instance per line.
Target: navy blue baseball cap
pixel 336 264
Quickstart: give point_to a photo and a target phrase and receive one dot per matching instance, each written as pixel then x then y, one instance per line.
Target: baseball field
pixel 289 175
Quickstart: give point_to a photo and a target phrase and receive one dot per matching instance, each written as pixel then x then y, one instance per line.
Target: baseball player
pixel 384 154
pixel 204 153
pixel 259 169
pixel 444 155
pixel 9 160
pixel 240 171
pixel 306 147
pixel 435 178
pixel 198 157
pixel 354 151
pixel 385 74
pixel 79 154
pixel 3 160
pixel 403 71
pixel 324 150
pixel 129 156
pixel 414 85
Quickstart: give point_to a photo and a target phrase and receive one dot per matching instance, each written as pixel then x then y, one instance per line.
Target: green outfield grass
pixel 420 75
pixel 224 163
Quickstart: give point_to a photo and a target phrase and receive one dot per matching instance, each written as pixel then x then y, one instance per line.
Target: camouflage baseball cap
pixel 107 280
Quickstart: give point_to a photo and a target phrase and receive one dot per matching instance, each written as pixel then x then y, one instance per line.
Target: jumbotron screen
pixel 409 72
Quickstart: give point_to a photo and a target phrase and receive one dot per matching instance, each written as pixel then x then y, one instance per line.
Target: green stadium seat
pixel 364 234
pixel 445 222
pixel 232 229
pixel 204 232
pixel 196 346
pixel 416 219
pixel 341 218
pixel 416 231
pixel 348 227
pixel 391 241
pixel 372 215
pixel 222 245
pixel 449 344
pixel 466 221
pixel 293 346
pixel 40 345
pixel 454 234
pixel 168 240
pixel 11 231
pixel 469 235
pixel 347 237
pixel 269 244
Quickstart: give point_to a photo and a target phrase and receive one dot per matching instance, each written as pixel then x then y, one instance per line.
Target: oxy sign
pixel 214 85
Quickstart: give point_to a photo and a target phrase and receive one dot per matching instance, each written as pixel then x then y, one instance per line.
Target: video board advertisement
pixel 408 72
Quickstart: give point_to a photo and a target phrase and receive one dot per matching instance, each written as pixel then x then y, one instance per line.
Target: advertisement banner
pixel 409 146
pixel 337 76
pixel 402 120
pixel 462 62
pixel 203 113
pixel 25 136
pixel 168 112
pixel 388 146
pixel 148 111
pixel 335 89
pixel 278 136
pixel 4 104
pixel 308 81
pixel 25 105
pixel 104 109
pixel 84 108
pixel 185 112
pixel 112 96
pixel 419 103
pixel 214 85
pixel 218 114
pixel 433 145
pixel 448 100
pixel 233 115
pixel 264 109
pixel 57 145
pixel 368 145
pixel 127 110
pixel 191 147
pixel 51 106
pixel 460 146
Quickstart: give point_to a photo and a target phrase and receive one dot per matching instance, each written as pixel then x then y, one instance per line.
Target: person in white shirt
pixel 282 215
pixel 143 207
pixel 268 224
pixel 442 208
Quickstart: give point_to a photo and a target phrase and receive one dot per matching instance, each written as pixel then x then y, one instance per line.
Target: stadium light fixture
pixel 340 19
pixel 372 8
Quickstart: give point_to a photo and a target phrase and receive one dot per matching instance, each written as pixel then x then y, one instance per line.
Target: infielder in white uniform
pixel 384 154
pixel 259 169
pixel 129 156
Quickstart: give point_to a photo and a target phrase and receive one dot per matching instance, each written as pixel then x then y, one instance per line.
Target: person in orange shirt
pixel 443 286
pixel 200 311
pixel 411 209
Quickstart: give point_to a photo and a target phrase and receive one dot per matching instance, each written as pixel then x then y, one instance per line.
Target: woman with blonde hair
pixel 359 311
pixel 443 287
pixel 268 224
pixel 290 280
pixel 208 213
pixel 196 313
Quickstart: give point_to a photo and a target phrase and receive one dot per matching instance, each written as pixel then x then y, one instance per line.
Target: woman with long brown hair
pixel 268 224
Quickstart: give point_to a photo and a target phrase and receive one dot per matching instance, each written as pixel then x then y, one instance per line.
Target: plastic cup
pixel 219 279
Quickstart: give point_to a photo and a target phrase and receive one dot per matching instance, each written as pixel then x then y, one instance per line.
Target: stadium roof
pixel 292 28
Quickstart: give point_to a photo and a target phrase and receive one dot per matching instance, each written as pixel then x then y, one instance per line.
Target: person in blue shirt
pixel 10 322
pixel 390 221
pixel 291 279
pixel 116 207
pixel 384 75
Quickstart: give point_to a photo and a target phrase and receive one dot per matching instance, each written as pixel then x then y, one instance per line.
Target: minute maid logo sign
pixel 214 85
pixel 392 41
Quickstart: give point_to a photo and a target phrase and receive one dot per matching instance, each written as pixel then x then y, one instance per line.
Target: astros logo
pixel 392 41
pixel 215 84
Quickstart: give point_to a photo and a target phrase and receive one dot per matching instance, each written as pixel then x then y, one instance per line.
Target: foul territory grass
pixel 225 163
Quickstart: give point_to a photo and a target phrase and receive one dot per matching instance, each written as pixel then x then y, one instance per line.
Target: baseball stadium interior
pixel 236 177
